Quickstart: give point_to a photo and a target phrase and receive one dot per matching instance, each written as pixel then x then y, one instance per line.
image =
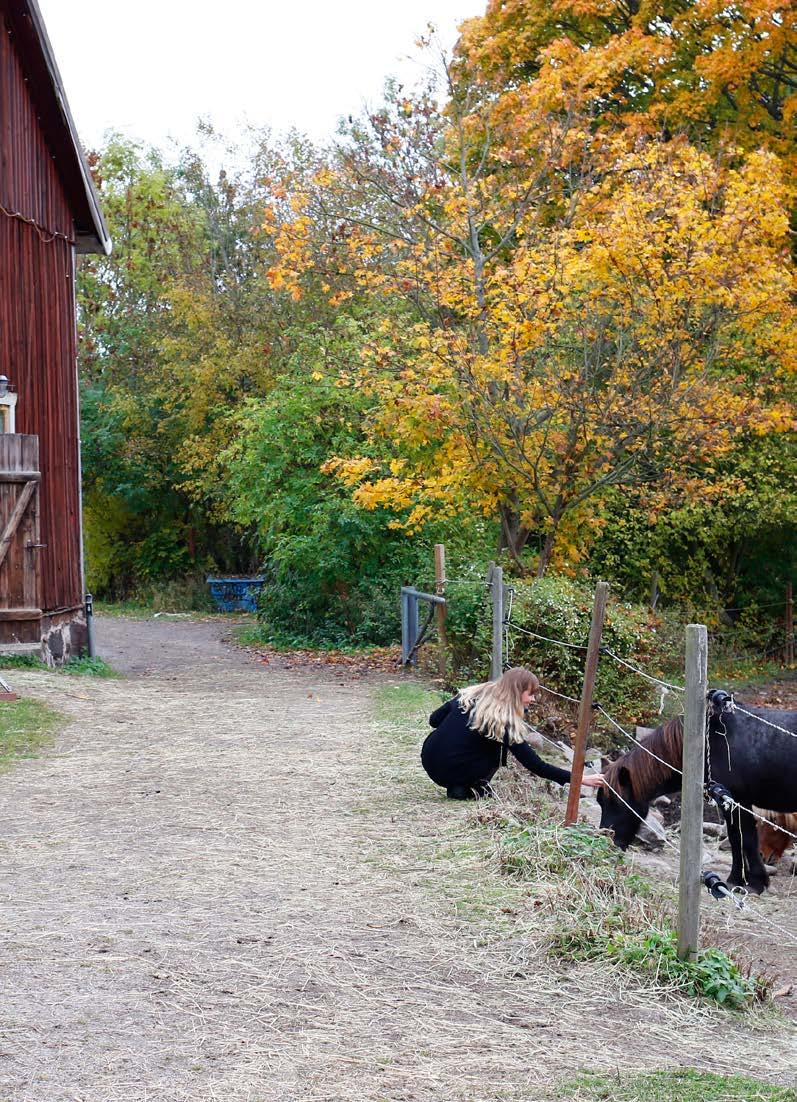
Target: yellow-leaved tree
pixel 581 308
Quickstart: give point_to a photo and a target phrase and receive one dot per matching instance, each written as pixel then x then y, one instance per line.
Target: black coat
pixel 454 754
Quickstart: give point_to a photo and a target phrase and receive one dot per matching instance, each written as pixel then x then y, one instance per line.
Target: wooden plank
pixel 15 518
pixel 31 553
pixel 20 476
pixel 585 707
pixel 694 756
pixel 20 614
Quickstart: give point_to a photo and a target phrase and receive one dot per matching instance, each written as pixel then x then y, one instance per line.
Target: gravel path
pixel 212 892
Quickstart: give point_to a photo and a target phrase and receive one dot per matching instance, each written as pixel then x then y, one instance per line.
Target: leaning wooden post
pixel 789 656
pixel 497 664
pixel 694 757
pixel 440 610
pixel 585 708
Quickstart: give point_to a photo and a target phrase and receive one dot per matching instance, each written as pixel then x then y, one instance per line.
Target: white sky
pixel 151 68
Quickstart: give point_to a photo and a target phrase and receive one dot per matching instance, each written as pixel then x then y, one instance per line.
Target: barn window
pixel 8 402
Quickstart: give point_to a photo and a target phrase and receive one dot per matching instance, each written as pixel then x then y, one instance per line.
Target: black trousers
pixel 479 791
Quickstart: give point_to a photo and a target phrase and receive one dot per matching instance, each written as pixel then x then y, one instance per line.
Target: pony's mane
pixel 646 772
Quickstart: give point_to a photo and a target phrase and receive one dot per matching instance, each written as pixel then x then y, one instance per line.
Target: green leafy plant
pixel 712 974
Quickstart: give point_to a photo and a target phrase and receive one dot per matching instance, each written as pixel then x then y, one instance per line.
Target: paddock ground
pixel 217 886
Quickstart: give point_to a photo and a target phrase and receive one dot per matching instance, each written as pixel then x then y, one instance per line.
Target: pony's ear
pixel 605 763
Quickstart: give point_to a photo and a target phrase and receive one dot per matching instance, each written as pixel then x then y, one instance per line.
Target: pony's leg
pixel 735 837
pixel 757 876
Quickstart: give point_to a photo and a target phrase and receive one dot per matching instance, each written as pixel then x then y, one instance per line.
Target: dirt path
pixel 213 891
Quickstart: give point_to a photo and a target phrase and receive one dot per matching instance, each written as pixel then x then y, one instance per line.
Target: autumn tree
pixel 584 310
pixel 716 72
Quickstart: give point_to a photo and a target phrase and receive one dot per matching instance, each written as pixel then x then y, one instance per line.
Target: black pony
pixel 755 762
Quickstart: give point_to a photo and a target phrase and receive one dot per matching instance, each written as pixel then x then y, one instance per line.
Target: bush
pixel 560 608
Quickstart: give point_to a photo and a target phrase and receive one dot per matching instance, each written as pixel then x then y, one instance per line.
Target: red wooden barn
pixel 48 212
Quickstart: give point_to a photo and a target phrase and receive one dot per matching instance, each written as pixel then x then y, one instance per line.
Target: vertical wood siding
pixel 37 323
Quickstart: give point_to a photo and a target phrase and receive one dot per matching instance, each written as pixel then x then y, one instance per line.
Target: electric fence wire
pixel 647 676
pixel 740 898
pixel 562 696
pixel 632 738
pixel 766 722
pixel 547 639
pixel 730 804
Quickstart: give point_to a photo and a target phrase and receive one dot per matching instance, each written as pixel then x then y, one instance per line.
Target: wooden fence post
pixel 694 756
pixel 585 708
pixel 440 610
pixel 497 664
pixel 789 655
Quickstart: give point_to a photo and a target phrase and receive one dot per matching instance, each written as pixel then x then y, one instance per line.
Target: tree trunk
pixel 547 550
pixel 514 535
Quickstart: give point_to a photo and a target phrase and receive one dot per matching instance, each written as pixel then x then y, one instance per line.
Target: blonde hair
pixel 495 708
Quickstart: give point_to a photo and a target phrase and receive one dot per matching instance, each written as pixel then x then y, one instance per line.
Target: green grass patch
pixel 683 1085
pixel 406 706
pixel 130 610
pixel 80 667
pixel 26 727
pixel 256 634
pixel 544 848
pixel 88 667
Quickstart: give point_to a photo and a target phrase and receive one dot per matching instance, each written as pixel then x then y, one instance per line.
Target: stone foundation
pixel 64 636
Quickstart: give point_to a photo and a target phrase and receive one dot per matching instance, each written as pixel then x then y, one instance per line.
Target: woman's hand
pixel 595 781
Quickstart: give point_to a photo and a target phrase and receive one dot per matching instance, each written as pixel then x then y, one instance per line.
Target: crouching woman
pixel 476 730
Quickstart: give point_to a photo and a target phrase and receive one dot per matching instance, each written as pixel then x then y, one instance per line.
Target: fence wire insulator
pixel 716 886
pixel 720 795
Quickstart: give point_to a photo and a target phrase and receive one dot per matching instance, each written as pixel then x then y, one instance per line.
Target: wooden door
pixel 20 586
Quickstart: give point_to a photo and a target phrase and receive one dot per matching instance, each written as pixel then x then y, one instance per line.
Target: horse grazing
pixel 755 762
pixel 772 841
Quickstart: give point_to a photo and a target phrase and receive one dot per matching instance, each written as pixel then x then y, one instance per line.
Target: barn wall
pixel 37 323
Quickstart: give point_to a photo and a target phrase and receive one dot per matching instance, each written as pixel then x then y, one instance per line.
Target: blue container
pixel 235 594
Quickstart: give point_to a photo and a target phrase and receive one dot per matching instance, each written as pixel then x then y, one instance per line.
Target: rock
pixel 662 801
pixel 725 844
pixel 651 831
pixel 713 830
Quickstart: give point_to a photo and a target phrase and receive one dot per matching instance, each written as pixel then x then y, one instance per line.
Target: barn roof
pixel 47 91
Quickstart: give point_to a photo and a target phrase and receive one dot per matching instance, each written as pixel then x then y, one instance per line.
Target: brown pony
pixel 774 842
pixel 638 778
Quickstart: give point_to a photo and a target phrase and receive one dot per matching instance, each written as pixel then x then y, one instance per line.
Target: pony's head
pixel 623 815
